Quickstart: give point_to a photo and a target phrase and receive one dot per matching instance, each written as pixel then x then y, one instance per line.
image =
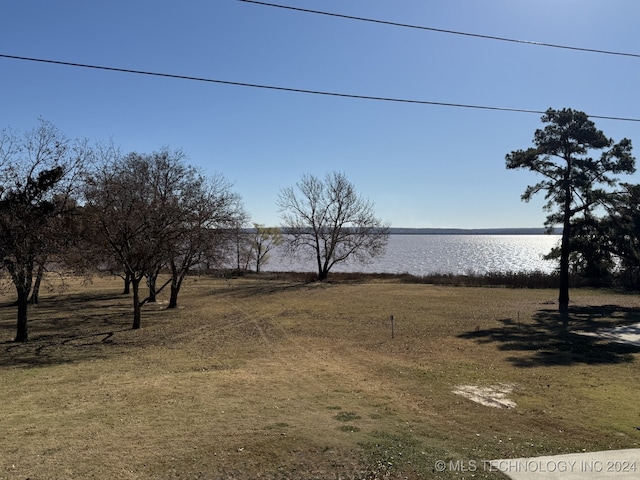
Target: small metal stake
pixel 392 326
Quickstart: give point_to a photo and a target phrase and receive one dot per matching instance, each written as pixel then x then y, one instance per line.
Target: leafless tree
pixel 205 209
pixel 124 202
pixel 40 174
pixel 156 211
pixel 329 221
pixel 263 240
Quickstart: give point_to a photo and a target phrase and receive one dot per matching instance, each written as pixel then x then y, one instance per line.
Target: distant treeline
pixel 532 279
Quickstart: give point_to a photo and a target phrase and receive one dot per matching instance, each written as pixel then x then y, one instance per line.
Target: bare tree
pixel 90 252
pixel 264 240
pixel 240 254
pixel 205 209
pixel 328 220
pixel 125 204
pixel 157 211
pixel 39 177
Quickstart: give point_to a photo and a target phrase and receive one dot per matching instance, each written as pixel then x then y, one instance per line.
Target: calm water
pixel 458 254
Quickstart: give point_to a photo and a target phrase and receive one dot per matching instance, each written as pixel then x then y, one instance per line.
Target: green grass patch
pixel 348 428
pixel 393 454
pixel 347 416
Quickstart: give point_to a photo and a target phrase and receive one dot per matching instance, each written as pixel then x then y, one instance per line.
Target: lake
pixel 457 254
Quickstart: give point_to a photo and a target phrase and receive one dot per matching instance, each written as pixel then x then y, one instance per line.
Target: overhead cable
pixel 441 30
pixel 295 90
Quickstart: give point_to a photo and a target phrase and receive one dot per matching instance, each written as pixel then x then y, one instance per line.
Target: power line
pixel 440 30
pixel 295 90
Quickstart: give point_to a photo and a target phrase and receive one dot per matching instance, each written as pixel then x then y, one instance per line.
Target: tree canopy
pixel 156 210
pixel 575 179
pixel 39 177
pixel 327 220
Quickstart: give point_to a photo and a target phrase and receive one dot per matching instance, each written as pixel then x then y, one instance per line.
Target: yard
pixel 273 377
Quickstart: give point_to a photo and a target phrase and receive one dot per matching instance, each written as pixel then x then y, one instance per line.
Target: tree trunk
pixel 173 298
pixel 176 283
pixel 22 334
pixel 151 280
pixel 322 273
pixel 135 285
pixel 127 284
pixel 565 250
pixel 35 294
pixel 238 248
pixel 22 277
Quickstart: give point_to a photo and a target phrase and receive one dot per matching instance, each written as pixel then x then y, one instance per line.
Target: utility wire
pixel 440 30
pixel 296 90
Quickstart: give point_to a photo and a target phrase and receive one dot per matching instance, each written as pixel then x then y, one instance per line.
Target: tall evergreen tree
pixel 574 180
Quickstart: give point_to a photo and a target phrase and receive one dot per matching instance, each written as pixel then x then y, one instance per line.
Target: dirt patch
pixel 626 334
pixel 491 396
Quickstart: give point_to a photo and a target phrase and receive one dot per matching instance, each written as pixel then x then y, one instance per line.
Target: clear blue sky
pixel 422 165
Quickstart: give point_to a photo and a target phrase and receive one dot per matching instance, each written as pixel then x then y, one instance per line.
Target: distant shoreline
pixel 470 231
pixel 456 231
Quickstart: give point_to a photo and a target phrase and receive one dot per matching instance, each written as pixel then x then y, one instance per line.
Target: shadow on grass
pixel 268 283
pixel 57 349
pixel 548 341
pixel 271 287
pixel 65 329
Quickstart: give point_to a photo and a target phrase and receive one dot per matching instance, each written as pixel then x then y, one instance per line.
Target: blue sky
pixel 421 165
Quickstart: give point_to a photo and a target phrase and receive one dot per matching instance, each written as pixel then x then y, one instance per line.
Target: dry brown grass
pixel 268 377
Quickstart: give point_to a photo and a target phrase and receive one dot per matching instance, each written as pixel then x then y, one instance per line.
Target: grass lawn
pixel 274 378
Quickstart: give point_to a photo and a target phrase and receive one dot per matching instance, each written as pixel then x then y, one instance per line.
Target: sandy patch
pixel 491 396
pixel 625 334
